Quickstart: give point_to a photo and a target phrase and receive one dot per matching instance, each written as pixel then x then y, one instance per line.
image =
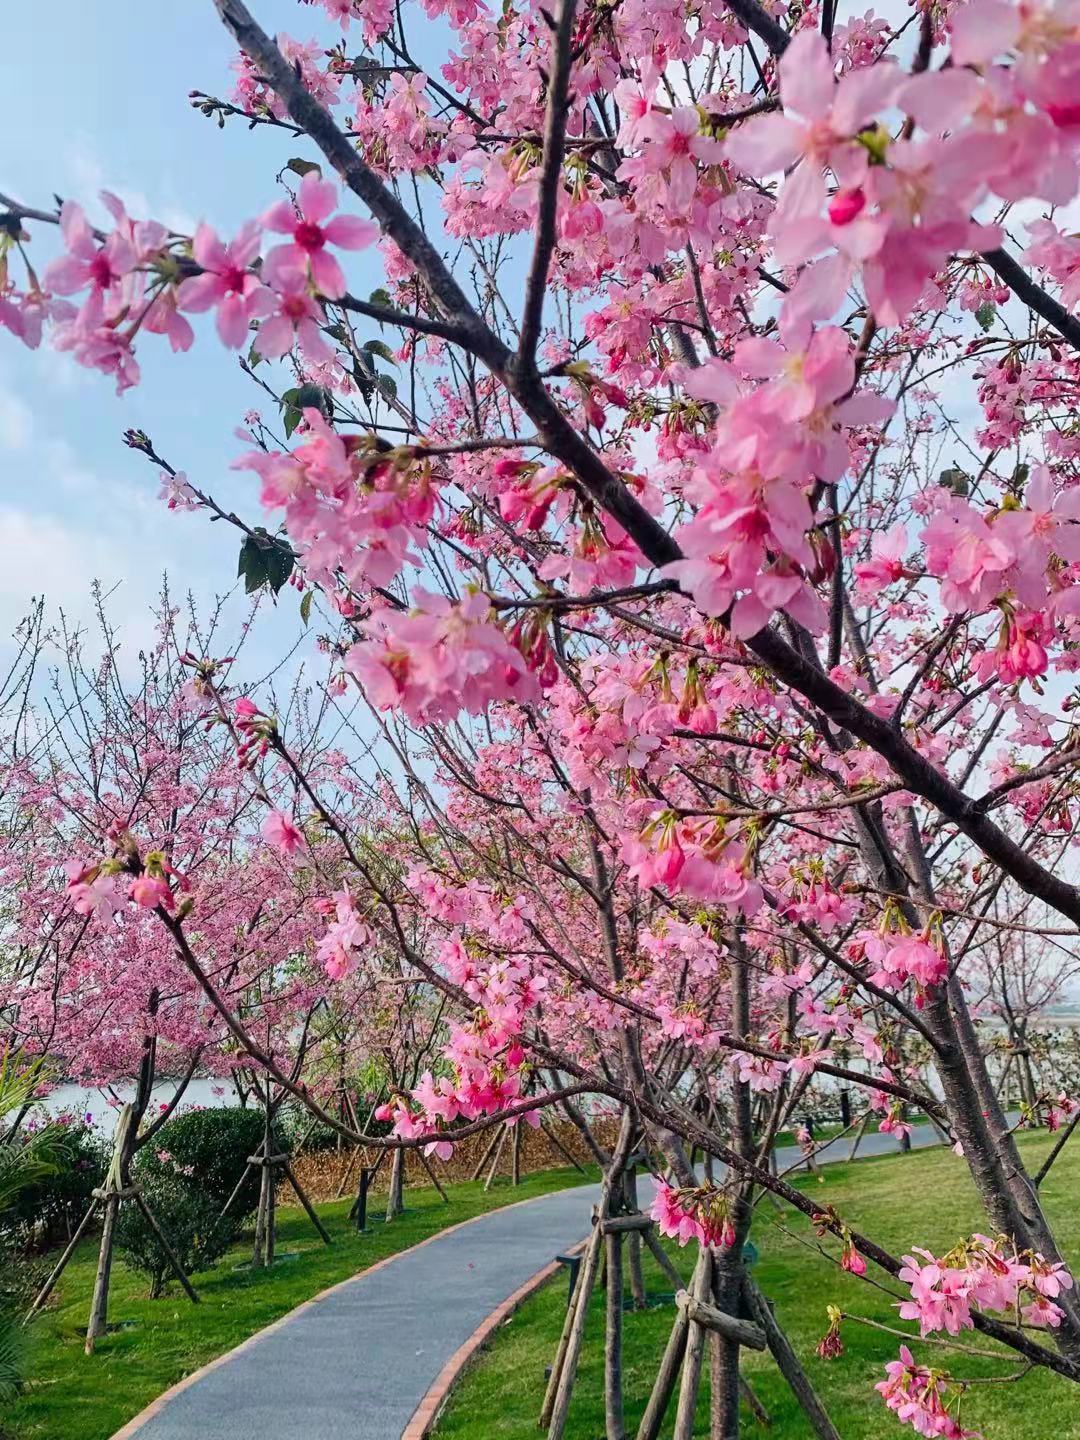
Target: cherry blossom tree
pixel 716 669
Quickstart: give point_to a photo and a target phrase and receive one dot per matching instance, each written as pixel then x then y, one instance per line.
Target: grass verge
pixel 925 1198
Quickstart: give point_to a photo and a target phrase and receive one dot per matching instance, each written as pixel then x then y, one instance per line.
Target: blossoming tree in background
pixel 719 675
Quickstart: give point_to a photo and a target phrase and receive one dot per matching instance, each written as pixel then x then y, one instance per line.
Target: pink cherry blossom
pixel 312 229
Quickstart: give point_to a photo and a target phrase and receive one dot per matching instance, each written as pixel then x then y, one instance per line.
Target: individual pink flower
pixel 278 830
pixel 820 117
pixel 886 563
pixel 99 264
pixel 150 891
pixel 966 556
pixel 227 283
pixel 311 232
pixel 296 319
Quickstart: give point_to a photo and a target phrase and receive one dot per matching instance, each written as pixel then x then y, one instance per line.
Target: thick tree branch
pixel 551 178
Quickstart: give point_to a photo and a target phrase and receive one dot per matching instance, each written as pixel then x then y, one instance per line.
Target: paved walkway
pixel 355 1363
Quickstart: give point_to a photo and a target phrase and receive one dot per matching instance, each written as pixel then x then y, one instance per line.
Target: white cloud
pixel 43 556
pixel 89 177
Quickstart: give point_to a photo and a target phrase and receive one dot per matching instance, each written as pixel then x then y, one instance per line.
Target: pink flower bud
pixel 845 205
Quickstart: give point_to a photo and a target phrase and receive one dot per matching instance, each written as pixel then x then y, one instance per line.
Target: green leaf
pixel 264 562
pixel 303 167
pixel 388 385
pixel 305 605
pixel 279 566
pixel 986 314
pixel 290 410
pixel 379 348
pixel 252 567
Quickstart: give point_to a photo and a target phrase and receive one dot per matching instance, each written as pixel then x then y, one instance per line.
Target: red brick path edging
pixel 430 1407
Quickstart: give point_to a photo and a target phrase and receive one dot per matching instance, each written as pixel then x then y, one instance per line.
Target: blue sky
pixel 100 92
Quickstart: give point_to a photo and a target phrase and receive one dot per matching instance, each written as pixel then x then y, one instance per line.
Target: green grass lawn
pixel 920 1199
pixel 71 1396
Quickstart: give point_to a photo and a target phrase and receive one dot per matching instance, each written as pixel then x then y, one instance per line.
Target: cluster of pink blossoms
pixel 346 937
pixel 698 858
pixel 921 1397
pixel 353 513
pixel 101 888
pixel 139 277
pixel 701 1213
pixel 981 1273
pixel 899 958
pixel 439 658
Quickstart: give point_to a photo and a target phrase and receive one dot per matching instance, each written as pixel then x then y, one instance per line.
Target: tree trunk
pixel 613 1400
pixel 99 1305
pixel 395 1200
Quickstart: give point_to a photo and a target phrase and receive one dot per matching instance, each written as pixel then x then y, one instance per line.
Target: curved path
pixel 357 1362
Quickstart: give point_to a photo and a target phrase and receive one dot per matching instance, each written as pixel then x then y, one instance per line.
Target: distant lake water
pixel 98 1103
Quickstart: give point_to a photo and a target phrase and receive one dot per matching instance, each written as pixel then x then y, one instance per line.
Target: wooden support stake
pixel 560 1352
pixel 621 1224
pixel 662 1258
pixel 486 1155
pixel 701 1312
pixel 690 1383
pixel 359 1207
pixel 568 1371
pixel 61 1265
pixel 347 1172
pixel 433 1177
pixel 787 1362
pixel 556 1143
pixel 163 1241
pixel 756 1408
pixel 515 1157
pixel 236 1189
pixel 306 1203
pixel 637 1273
pixel 664 1384
pixel 495 1162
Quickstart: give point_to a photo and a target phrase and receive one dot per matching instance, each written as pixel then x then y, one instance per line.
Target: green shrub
pixel 187 1172
pixel 213 1145
pixel 190 1219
